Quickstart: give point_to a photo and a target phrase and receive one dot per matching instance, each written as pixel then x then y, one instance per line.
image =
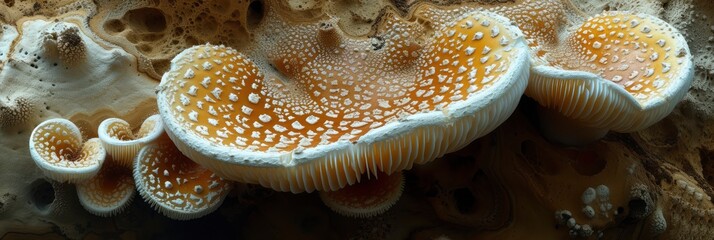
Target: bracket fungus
pixel 318 114
pixel 109 192
pixel 57 147
pixel 121 143
pixel 618 71
pixel 176 186
pixel 368 198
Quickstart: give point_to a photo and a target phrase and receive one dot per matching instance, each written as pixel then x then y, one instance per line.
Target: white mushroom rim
pixel 173 196
pixel 122 143
pixel 495 103
pixel 108 193
pixel 63 167
pixel 622 112
pixel 155 130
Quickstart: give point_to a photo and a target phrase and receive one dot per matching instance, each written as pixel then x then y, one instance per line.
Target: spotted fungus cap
pixel 618 71
pixel 109 192
pixel 174 185
pixel 121 143
pixel 321 114
pixel 56 147
pixel 368 198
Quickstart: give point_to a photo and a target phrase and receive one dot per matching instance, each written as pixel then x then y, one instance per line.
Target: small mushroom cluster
pixel 101 168
pixel 59 150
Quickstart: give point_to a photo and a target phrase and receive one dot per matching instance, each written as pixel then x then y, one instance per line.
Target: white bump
pixel 654 56
pixel 279 128
pixel 486 50
pixel 661 42
pixel 297 126
pixel 597 45
pixel 264 118
pixel 311 119
pixel 253 98
pixel 207 66
pixel 189 74
pixel 649 72
pixel 503 41
pixel 193 115
pixel 450 33
pixel 469 51
pixel 213 122
pixel 634 23
pixel 468 24
pixel 666 67
pixel 192 90
pixel 246 110
pixel 494 32
pixel 462 69
pixel 217 93
pixel 478 36
pixel 472 74
pixel 184 100
pixel 634 74
pixel 205 82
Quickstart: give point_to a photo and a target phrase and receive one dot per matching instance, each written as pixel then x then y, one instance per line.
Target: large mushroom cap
pixel 123 144
pixel 325 113
pixel 176 186
pixel 617 71
pixel 56 147
pixel 368 198
pixel 109 192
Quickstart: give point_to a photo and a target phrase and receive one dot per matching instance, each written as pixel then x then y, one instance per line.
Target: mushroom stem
pixel 565 130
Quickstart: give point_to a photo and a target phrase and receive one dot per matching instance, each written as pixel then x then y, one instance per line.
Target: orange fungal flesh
pixel 539 20
pixel 146 128
pixel 368 197
pixel 174 184
pixel 121 130
pixel 57 145
pixel 630 50
pixel 109 191
pixel 333 93
pixel 626 49
pixel 60 146
pixel 90 149
pixel 122 143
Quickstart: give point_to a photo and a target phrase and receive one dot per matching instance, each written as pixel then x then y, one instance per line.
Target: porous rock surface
pixel 511 184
